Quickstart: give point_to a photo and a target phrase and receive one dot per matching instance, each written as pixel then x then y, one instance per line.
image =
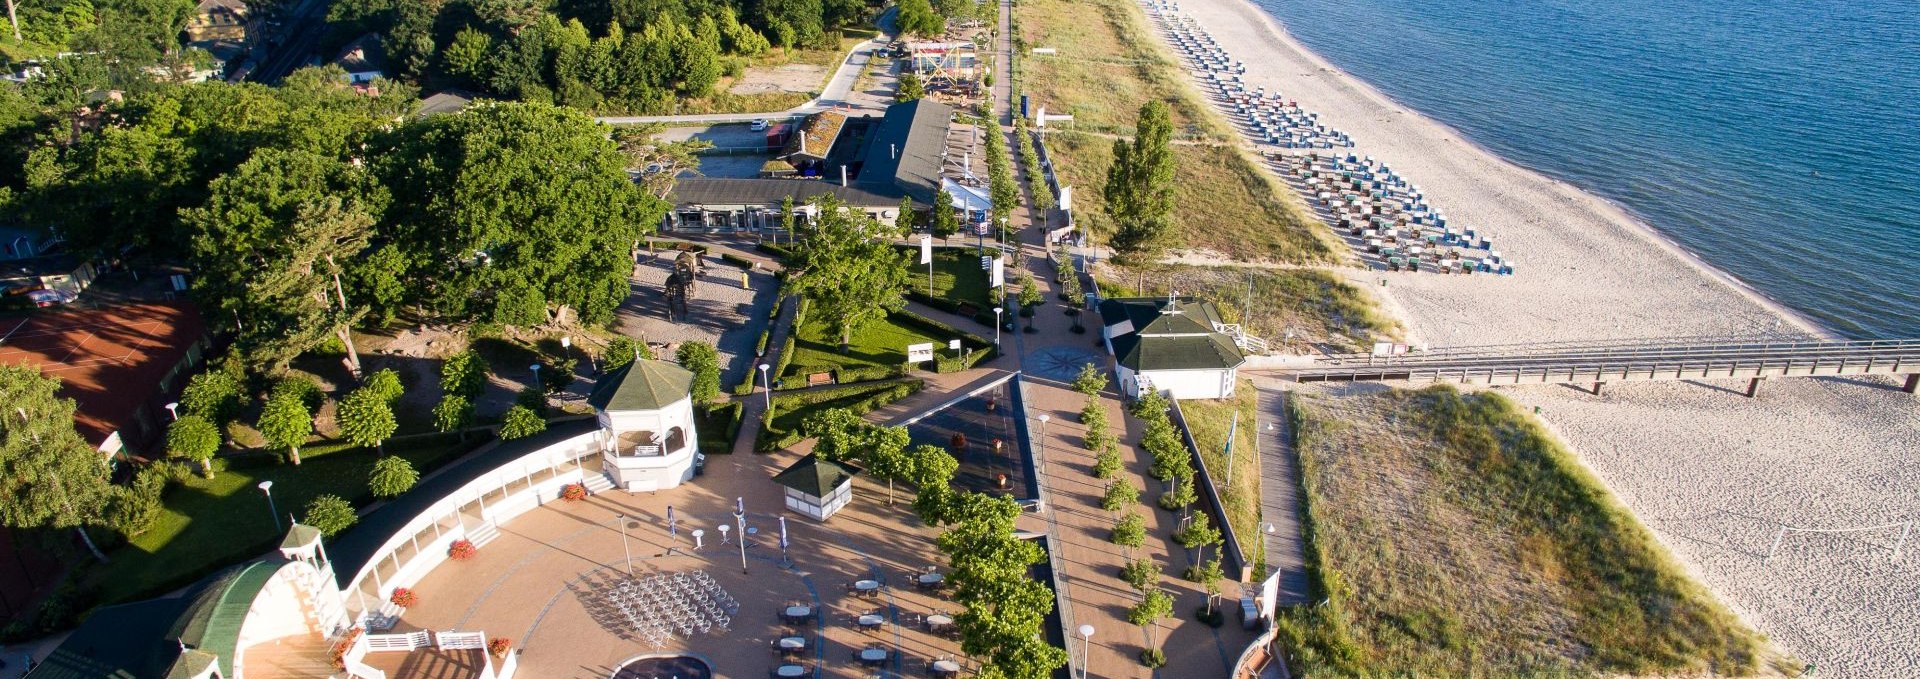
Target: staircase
pixel 596 483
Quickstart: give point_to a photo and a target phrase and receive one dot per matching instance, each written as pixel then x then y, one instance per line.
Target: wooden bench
pixel 817 379
pixel 967 309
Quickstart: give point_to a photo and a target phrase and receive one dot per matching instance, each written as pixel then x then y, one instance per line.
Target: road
pixel 304 26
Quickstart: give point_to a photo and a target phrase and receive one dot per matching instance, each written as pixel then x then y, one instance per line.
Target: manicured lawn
pixel 1209 421
pixel 957 276
pixel 1450 535
pixel 210 523
pixel 879 343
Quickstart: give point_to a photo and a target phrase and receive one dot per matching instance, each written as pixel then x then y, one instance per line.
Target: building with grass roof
pixel 1180 348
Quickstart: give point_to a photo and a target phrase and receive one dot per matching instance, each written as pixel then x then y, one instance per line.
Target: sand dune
pixel 1711 472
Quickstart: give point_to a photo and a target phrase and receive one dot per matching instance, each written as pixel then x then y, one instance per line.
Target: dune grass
pixel 1106 66
pixel 1321 309
pixel 1451 536
pixel 1209 420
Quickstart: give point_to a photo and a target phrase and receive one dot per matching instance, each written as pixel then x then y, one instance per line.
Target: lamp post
pixel 996 323
pixel 1086 648
pixel 622 520
pixel 766 386
pixel 740 520
pixel 536 377
pixel 1044 419
pixel 174 409
pixel 266 488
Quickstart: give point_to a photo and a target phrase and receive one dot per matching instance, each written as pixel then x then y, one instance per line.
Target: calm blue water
pixel 1708 118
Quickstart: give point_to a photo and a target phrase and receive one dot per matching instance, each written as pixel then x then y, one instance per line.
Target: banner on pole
pixel 999 272
pixel 926 249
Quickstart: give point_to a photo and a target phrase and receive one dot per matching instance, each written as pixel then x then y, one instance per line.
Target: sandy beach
pixel 1712 473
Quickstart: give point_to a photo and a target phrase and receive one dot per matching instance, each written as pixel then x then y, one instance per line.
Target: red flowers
pixel 404 598
pixel 573 492
pixel 461 550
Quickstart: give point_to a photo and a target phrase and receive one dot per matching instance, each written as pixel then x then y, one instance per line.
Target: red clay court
pixel 113 362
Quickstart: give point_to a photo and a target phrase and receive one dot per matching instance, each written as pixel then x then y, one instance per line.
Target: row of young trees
pixel 305 209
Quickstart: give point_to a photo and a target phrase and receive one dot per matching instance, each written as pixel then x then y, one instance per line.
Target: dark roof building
pixel 904 155
pixel 642 385
pixel 182 637
pixel 1171 345
pixel 817 488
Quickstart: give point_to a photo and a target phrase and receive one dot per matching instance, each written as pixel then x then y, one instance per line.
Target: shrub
pixel 404 597
pixel 215 395
pixel 384 383
pixel 464 374
pixel 498 646
pixel 452 413
pixel 704 361
pixel 366 417
pixel 331 514
pixel 532 399
pixel 521 422
pixel 1153 658
pixel 132 508
pixel 736 260
pixel 461 550
pixel 621 350
pixel 392 475
pixel 573 492
pixel 557 373
pixel 780 251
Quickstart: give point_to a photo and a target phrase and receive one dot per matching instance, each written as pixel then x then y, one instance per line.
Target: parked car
pixel 760 125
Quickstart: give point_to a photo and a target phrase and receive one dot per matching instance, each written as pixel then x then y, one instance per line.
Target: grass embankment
pixel 1110 64
pixel 1453 537
pixel 1317 305
pixel 208 524
pixel 1209 420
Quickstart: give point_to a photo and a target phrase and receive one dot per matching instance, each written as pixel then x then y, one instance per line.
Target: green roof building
pixel 1180 348
pixel 817 488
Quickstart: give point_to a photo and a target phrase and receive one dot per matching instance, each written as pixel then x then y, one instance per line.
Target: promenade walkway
pixel 1280 496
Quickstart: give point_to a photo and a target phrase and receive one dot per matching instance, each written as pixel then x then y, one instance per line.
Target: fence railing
pixel 451 640
pixel 406 641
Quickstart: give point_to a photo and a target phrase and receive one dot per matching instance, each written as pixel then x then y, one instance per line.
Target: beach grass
pixel 1223 202
pixel 1450 535
pixel 1106 65
pixel 1322 310
pixel 1210 420
pixel 208 524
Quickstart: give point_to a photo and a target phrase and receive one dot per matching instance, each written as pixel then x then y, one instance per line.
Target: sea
pixel 1779 140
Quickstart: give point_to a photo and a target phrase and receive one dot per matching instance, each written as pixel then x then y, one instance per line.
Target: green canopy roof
pixel 814 476
pixel 163 638
pixel 642 385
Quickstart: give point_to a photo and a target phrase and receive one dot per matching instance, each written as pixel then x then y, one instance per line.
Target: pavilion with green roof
pixel 647 436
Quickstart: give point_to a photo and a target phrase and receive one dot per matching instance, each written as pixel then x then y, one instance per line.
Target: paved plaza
pixel 545 582
pixel 720 312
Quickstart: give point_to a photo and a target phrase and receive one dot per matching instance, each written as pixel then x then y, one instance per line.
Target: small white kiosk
pixel 817 488
pixel 647 437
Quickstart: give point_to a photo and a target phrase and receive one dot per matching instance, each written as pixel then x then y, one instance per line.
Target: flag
pixel 926 249
pixel 999 272
pixel 671 529
pixel 1235 427
pixel 783 532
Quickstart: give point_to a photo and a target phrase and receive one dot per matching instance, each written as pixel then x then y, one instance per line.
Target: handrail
pixel 1634 349
pixel 1813 355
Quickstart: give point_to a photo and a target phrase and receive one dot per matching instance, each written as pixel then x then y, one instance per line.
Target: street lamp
pixel 1086 648
pixel 766 386
pixel 996 323
pixel 622 520
pixel 1044 418
pixel 536 376
pixel 266 487
pixel 174 409
pixel 740 519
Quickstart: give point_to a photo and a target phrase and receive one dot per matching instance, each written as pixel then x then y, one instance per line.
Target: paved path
pixel 1280 496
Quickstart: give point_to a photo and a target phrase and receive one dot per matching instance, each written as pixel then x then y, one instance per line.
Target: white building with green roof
pixel 647 439
pixel 1180 348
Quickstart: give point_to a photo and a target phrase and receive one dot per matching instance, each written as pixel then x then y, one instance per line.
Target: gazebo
pixel 647 437
pixel 817 488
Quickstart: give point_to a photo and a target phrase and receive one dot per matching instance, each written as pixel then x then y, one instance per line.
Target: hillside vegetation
pixel 1451 536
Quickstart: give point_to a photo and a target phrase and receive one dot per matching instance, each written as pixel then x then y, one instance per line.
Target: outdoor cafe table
pixel 799 612
pixel 871 620
pixel 938 620
pixel 791 671
pixel 867 585
pixel 873 655
pixel 946 667
pixel 793 643
pixel 930 579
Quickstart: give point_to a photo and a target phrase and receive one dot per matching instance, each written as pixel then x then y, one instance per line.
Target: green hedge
pixel 736 260
pixel 780 251
pixel 719 425
pixel 760 347
pixel 786 357
pixel 866 373
pixel 780 427
pixel 675 245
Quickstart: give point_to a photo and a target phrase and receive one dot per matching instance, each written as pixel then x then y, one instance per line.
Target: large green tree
pixel 510 212
pixel 1139 189
pixel 366 418
pixel 847 275
pixel 49 476
pixel 704 361
pixel 286 422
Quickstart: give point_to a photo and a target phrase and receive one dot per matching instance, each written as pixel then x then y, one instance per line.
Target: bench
pixel 817 379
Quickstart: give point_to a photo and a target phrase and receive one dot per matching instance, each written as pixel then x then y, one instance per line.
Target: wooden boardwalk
pixel 1601 363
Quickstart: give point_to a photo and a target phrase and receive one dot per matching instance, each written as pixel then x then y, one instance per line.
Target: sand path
pixel 1712 473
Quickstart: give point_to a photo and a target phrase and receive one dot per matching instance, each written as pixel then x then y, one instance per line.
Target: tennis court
pixel 111 361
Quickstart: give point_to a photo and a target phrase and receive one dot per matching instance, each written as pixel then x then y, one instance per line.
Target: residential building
pixel 363 59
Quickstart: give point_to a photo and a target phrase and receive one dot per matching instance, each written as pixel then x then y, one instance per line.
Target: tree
pixel 1182 494
pixel 392 475
pixel 215 395
pixel 1198 533
pixel 1147 614
pixel 836 432
pixel 933 471
pixel 905 223
pixel 910 88
pixel 464 375
pixel 49 476
pixel 1090 381
pixel 385 383
pixel 511 212
pixel 453 413
pixel 1030 294
pixel 945 223
pixel 1140 573
pixel 1139 189
pixel 520 422
pixel 466 58
pixel 1106 463
pixel 1130 531
pixel 286 422
pixel 331 514
pixel 194 438
pixel 1120 495
pixel 704 361
pixel 366 418
pixel 846 274
pixel 659 162
pixel 917 18
pixel 1209 574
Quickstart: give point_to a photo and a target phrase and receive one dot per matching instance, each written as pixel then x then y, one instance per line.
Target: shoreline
pixel 1610 208
pixel 1711 475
